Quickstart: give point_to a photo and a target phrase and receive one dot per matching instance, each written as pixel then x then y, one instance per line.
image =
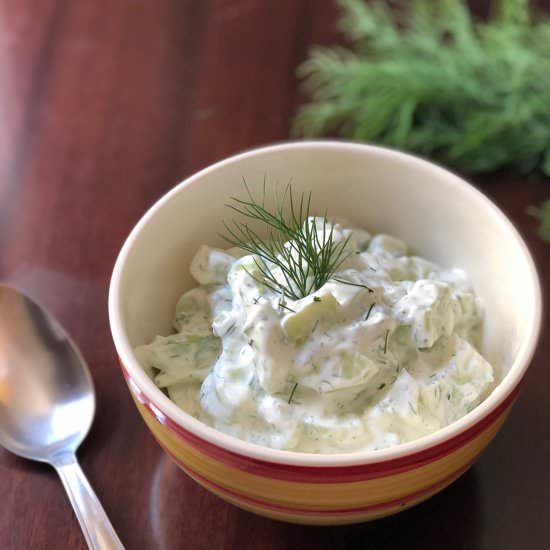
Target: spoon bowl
pixel 47 403
pixel 48 400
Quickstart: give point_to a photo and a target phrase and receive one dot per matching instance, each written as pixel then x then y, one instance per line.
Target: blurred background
pixel 104 106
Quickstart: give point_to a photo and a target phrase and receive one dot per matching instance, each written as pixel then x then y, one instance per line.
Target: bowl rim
pixel 166 407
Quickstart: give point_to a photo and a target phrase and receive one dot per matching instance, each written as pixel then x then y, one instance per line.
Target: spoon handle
pixel 95 524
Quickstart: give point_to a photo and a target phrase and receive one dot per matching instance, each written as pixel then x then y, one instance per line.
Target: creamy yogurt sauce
pixel 381 354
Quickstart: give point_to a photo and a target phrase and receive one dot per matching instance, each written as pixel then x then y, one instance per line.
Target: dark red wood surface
pixel 104 106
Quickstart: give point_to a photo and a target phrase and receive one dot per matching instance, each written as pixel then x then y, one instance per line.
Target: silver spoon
pixel 47 404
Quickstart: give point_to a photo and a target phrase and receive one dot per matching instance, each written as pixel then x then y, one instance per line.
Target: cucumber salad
pixel 381 353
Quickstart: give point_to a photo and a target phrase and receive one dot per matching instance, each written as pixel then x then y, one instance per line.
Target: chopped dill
pixel 386 341
pixel 368 312
pixel 284 306
pixel 351 283
pixel 292 393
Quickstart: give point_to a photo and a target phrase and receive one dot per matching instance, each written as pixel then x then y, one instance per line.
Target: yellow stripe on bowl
pixel 319 496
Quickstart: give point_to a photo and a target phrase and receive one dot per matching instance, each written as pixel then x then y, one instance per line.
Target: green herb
pixel 351 283
pixel 284 306
pixel 230 330
pixel 314 327
pixel 543 214
pixel 316 299
pixel 292 393
pixel 382 386
pixel 428 76
pixel 294 256
pixel 386 341
pixel 368 312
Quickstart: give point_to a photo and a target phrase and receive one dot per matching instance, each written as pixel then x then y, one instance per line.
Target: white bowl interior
pixel 435 212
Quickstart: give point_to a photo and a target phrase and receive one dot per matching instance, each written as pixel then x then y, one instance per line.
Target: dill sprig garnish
pixel 294 256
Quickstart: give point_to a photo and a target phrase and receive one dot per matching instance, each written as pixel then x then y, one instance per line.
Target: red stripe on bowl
pixel 411 497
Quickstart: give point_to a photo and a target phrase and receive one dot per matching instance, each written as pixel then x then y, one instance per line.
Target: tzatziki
pixel 383 353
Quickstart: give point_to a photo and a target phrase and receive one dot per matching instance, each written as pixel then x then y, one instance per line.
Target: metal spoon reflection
pixel 47 404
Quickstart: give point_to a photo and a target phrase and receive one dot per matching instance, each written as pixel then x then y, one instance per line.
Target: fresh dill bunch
pixel 293 255
pixel 427 76
pixel 543 214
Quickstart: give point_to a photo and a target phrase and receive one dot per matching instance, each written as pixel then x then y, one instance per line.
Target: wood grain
pixel 105 106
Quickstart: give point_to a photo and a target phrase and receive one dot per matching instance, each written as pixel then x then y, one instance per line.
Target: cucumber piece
pixel 181 357
pixel 193 310
pixel 307 311
pixel 394 246
pixel 210 265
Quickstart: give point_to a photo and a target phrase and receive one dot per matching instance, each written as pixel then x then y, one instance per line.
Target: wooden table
pixel 106 105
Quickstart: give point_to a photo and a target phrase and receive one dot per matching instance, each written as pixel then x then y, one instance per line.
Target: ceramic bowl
pixel 438 214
